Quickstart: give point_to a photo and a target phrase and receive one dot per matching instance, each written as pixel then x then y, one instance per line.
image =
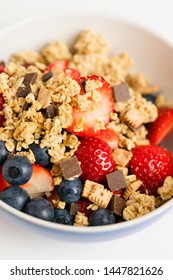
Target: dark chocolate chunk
pixel 121 92
pixel 117 205
pixel 46 76
pixel 74 208
pixel 83 85
pixel 23 91
pixel 30 79
pixel 50 112
pixel 70 168
pixel 26 106
pixel 116 180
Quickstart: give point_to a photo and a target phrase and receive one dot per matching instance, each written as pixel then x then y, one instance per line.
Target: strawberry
pixel 161 127
pixel 72 73
pixel 1 69
pixel 118 193
pixel 151 164
pixel 1 101
pixel 1 120
pixel 95 158
pixel 83 203
pixel 99 111
pixel 108 135
pixel 41 181
pixel 57 64
pixel 3 183
pixel 63 65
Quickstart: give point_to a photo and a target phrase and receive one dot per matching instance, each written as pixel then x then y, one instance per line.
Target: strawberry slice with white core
pixel 97 112
pixel 41 181
pixel 108 135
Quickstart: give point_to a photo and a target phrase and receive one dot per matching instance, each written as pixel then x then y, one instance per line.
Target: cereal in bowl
pixel 80 135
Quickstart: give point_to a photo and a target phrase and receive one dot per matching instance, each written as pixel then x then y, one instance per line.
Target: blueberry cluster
pixel 17 171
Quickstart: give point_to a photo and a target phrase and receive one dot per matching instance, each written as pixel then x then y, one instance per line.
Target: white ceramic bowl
pixel 151 55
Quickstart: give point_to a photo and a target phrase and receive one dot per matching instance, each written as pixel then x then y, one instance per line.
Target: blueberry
pixel 15 197
pixel 40 208
pixel 101 217
pixel 41 154
pixel 3 152
pixel 17 170
pixel 150 97
pixel 70 190
pixel 62 216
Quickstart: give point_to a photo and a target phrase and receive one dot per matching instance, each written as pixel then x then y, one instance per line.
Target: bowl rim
pixel 91 229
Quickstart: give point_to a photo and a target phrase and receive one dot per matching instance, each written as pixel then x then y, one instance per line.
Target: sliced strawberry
pixel 57 64
pixel 97 112
pixel 3 183
pixel 161 127
pixel 72 73
pixel 108 135
pixel 1 69
pixel 41 181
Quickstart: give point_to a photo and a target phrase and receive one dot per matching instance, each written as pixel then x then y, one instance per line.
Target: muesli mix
pixel 80 135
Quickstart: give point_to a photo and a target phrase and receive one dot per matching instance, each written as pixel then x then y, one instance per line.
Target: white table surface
pixel 20 241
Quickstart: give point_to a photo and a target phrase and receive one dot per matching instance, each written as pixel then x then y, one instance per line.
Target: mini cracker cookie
pixel 97 194
pixel 133 187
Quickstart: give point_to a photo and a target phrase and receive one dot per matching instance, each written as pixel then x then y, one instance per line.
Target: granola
pixel 52 100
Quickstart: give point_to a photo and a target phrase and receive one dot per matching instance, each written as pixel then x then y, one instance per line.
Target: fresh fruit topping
pixel 108 135
pixel 41 154
pixel 150 97
pixel 151 164
pixel 101 217
pixel 40 181
pixel 1 101
pixel 95 158
pixel 15 197
pixel 72 73
pixel 62 216
pixel 1 120
pixel 62 65
pixel 70 190
pixel 1 69
pixel 161 127
pixel 83 204
pixel 3 183
pixel 97 112
pixel 40 208
pixel 3 152
pixel 17 170
pixel 118 193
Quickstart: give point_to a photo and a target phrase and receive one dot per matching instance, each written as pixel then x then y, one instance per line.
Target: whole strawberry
pixel 96 159
pixel 151 164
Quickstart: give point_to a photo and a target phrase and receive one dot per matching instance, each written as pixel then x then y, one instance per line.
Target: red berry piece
pixel 83 204
pixel 57 64
pixel 1 101
pixel 161 127
pixel 99 111
pixel 118 193
pixel 108 135
pixel 151 164
pixel 96 159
